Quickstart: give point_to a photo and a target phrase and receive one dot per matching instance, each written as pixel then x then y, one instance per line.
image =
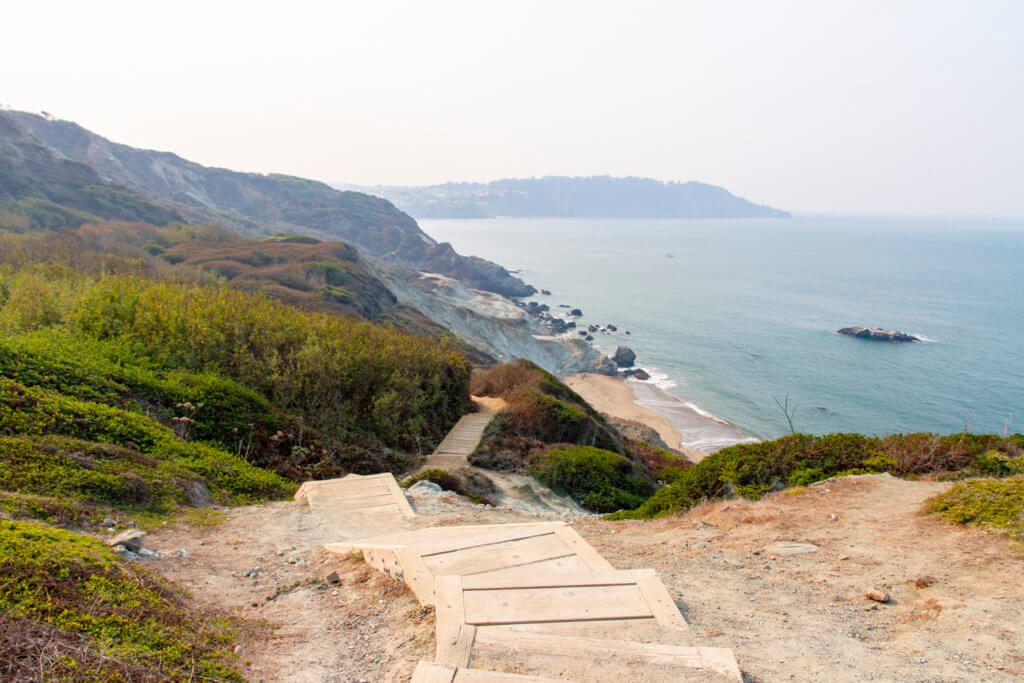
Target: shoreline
pixel 615 396
pixel 681 425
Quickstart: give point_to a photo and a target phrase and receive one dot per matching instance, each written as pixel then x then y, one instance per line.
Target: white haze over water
pixel 745 311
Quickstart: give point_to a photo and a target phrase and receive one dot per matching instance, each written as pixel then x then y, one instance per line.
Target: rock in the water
pixel 878 595
pixel 546 292
pixel 583 333
pixel 639 373
pixel 424 486
pixel 611 328
pixel 576 312
pixel 589 337
pixel 789 549
pixel 131 539
pixel 624 357
pixel 878 334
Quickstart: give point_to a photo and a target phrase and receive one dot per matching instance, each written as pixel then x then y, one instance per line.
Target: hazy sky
pixel 868 107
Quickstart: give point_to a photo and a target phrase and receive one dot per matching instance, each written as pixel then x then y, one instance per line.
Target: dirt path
pixel 805 617
pixel 796 618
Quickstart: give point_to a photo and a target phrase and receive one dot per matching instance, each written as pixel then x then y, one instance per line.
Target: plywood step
pixel 504 551
pixel 429 672
pixel 375 497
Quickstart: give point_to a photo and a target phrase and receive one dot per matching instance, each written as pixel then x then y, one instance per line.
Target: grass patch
pixel 70 609
pixel 597 479
pixel 750 470
pixel 997 505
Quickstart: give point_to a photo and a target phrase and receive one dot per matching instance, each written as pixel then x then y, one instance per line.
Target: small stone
pixel 878 595
pixel 332 578
pixel 293 560
pixel 789 549
pixel 146 552
pixel 238 649
pixel 425 486
pixel 834 517
pixel 130 539
pixel 280 553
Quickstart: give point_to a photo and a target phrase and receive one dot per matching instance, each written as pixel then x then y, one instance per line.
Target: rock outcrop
pixel 624 357
pixel 878 334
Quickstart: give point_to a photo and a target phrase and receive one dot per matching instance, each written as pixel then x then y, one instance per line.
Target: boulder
pixel 624 357
pixel 425 486
pixel 639 373
pixel 131 539
pixel 878 334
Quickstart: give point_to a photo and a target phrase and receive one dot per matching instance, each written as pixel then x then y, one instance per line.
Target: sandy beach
pixel 613 395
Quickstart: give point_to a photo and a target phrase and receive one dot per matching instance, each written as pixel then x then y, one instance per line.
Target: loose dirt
pixel 956 610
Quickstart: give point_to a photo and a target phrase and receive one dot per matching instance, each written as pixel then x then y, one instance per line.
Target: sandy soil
pixel 793 618
pixel 806 617
pixel 613 396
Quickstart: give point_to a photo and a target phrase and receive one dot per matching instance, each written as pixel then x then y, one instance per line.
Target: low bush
pixel 463 481
pixel 40 412
pixel 750 470
pixel 993 504
pixel 542 410
pixel 70 609
pixel 597 479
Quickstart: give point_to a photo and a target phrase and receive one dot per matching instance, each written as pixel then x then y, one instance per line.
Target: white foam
pixel 922 338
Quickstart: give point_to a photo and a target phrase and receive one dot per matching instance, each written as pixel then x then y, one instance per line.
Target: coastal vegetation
pixel 73 610
pixel 138 389
pixel 750 470
pixel 550 432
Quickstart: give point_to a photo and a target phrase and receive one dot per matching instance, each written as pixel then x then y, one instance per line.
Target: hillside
pixel 37 154
pixel 572 197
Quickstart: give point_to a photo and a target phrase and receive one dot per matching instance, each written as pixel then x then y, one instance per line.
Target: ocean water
pixel 730 315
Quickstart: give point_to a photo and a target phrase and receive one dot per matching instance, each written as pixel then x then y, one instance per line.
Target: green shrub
pixel 996 505
pixel 750 470
pixel 39 412
pixel 597 479
pixel 101 619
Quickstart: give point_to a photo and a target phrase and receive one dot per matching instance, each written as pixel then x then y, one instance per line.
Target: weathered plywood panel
pixel 526 550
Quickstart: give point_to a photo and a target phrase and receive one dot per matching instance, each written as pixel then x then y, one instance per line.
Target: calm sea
pixel 730 315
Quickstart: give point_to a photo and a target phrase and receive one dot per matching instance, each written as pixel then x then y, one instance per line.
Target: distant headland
pixel 571 197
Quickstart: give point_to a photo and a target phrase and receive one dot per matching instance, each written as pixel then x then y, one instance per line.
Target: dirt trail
pixel 799 618
pixel 805 617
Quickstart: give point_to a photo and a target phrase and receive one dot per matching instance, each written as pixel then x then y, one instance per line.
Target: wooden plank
pixel 570 564
pixel 586 551
pixel 543 605
pixel 488 582
pixel 451 637
pixel 429 672
pixel 514 641
pixel 460 538
pixel 656 595
pixel 400 499
pixel 416 574
pixel 478 559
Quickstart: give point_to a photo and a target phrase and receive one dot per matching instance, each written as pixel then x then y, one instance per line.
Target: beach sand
pixel 614 396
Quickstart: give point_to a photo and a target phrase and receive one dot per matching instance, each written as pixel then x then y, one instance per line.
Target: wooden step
pixel 504 551
pixel 375 497
pixel 429 672
pixel 586 659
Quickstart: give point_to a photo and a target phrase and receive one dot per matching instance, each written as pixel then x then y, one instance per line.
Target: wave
pixel 924 339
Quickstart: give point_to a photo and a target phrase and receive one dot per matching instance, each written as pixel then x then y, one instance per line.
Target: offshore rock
pixel 624 357
pixel 878 334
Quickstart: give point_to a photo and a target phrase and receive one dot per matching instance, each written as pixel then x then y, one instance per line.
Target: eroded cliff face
pixel 495 324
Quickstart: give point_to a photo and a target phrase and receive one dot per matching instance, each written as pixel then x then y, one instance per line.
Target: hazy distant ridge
pixel 569 197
